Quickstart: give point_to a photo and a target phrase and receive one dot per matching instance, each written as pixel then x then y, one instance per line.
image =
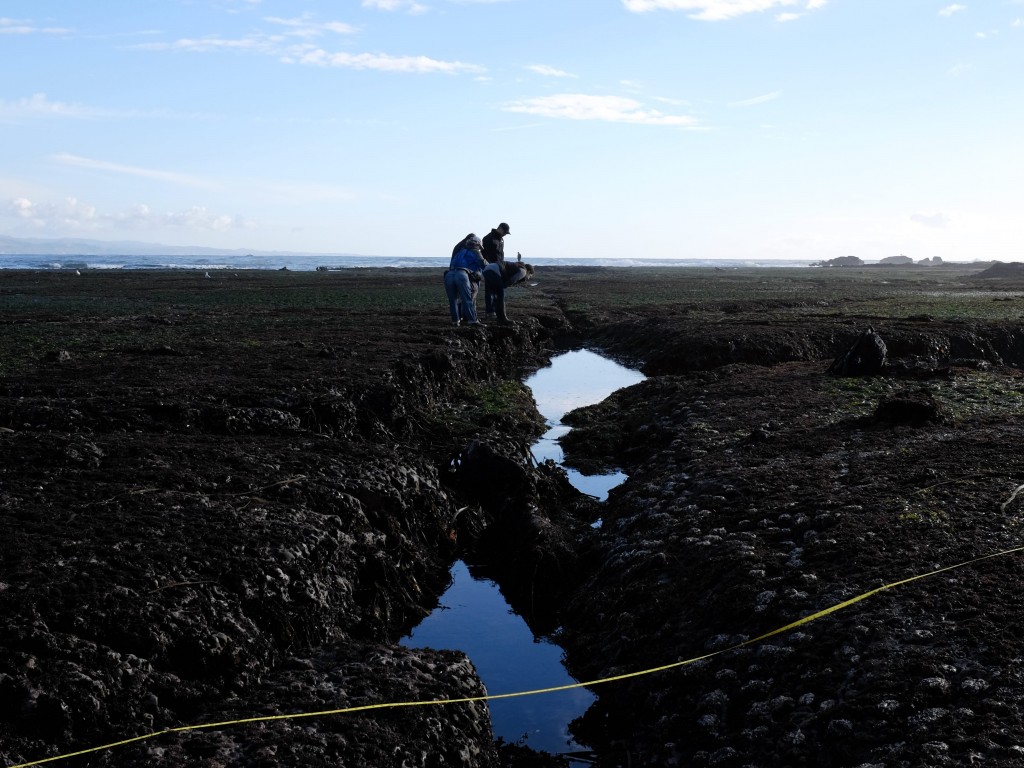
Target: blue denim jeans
pixel 461 295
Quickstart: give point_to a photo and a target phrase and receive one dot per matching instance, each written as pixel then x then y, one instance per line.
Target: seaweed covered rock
pixel 865 358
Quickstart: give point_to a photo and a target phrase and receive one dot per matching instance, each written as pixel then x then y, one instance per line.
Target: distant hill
pixel 67 246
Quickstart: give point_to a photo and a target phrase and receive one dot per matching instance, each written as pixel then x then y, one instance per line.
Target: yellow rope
pixel 537 691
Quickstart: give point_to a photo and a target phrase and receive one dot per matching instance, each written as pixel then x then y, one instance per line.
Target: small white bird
pixel 206 275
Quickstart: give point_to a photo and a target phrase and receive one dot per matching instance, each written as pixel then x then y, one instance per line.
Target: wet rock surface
pixel 762 494
pixel 228 498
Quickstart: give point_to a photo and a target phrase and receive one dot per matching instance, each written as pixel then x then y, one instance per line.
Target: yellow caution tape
pixel 494 697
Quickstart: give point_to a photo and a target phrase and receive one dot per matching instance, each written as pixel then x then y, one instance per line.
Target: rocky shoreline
pixel 228 498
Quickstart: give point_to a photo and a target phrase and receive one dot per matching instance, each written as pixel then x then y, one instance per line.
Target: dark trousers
pixel 494 294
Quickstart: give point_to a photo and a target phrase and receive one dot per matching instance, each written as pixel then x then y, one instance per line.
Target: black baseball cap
pixel 504 226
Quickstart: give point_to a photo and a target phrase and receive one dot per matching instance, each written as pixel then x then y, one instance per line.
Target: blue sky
pixel 791 129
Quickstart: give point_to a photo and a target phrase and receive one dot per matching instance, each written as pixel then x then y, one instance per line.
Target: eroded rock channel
pixel 227 500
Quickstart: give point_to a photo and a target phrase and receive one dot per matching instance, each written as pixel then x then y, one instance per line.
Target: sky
pixel 731 129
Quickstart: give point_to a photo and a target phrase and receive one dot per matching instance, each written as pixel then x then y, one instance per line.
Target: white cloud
pixel 395 5
pixel 934 221
pixel 546 71
pixel 718 10
pixel 949 10
pixel 610 109
pixel 385 63
pixel 69 213
pixel 304 26
pixel 757 99
pixel 306 53
pixel 73 215
pixel 783 17
pixel 199 218
pixel 256 44
pixel 38 105
pixel 131 170
pixel 28 27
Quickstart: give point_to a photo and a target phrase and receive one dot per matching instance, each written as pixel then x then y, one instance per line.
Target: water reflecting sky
pixel 575 379
pixel 473 616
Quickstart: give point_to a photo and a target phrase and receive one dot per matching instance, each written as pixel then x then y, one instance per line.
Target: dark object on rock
pixel 865 358
pixel 912 408
pixel 53 356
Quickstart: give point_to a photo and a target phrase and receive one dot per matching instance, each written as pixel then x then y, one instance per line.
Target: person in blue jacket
pixel 461 279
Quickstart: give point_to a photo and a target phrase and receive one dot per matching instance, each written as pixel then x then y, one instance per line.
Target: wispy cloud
pixel 949 10
pixel 72 214
pixel 609 109
pixel 28 27
pixel 385 63
pixel 287 49
pixel 409 6
pixel 265 44
pixel 719 10
pixel 757 99
pixel 546 71
pixel 38 105
pixel 153 174
pixel 304 26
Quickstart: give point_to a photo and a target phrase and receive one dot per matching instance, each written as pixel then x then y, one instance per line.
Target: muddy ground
pixel 228 498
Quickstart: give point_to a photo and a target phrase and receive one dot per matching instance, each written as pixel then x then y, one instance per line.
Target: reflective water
pixel 473 616
pixel 575 379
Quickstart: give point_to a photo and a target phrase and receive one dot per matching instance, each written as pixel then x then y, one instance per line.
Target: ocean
pixel 312 262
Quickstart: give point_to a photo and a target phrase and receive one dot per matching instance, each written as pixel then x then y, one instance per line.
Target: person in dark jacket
pixel 461 278
pixel 498 277
pixel 494 244
pixel 494 253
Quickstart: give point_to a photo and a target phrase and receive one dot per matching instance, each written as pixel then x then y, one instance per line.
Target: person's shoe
pixel 491 316
pixel 475 323
pixel 504 321
pixel 455 323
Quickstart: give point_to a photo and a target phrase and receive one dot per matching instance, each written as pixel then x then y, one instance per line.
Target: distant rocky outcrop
pixel 840 261
pixel 934 261
pixel 900 260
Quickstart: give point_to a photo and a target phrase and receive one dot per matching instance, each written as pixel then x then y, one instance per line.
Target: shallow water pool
pixel 473 616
